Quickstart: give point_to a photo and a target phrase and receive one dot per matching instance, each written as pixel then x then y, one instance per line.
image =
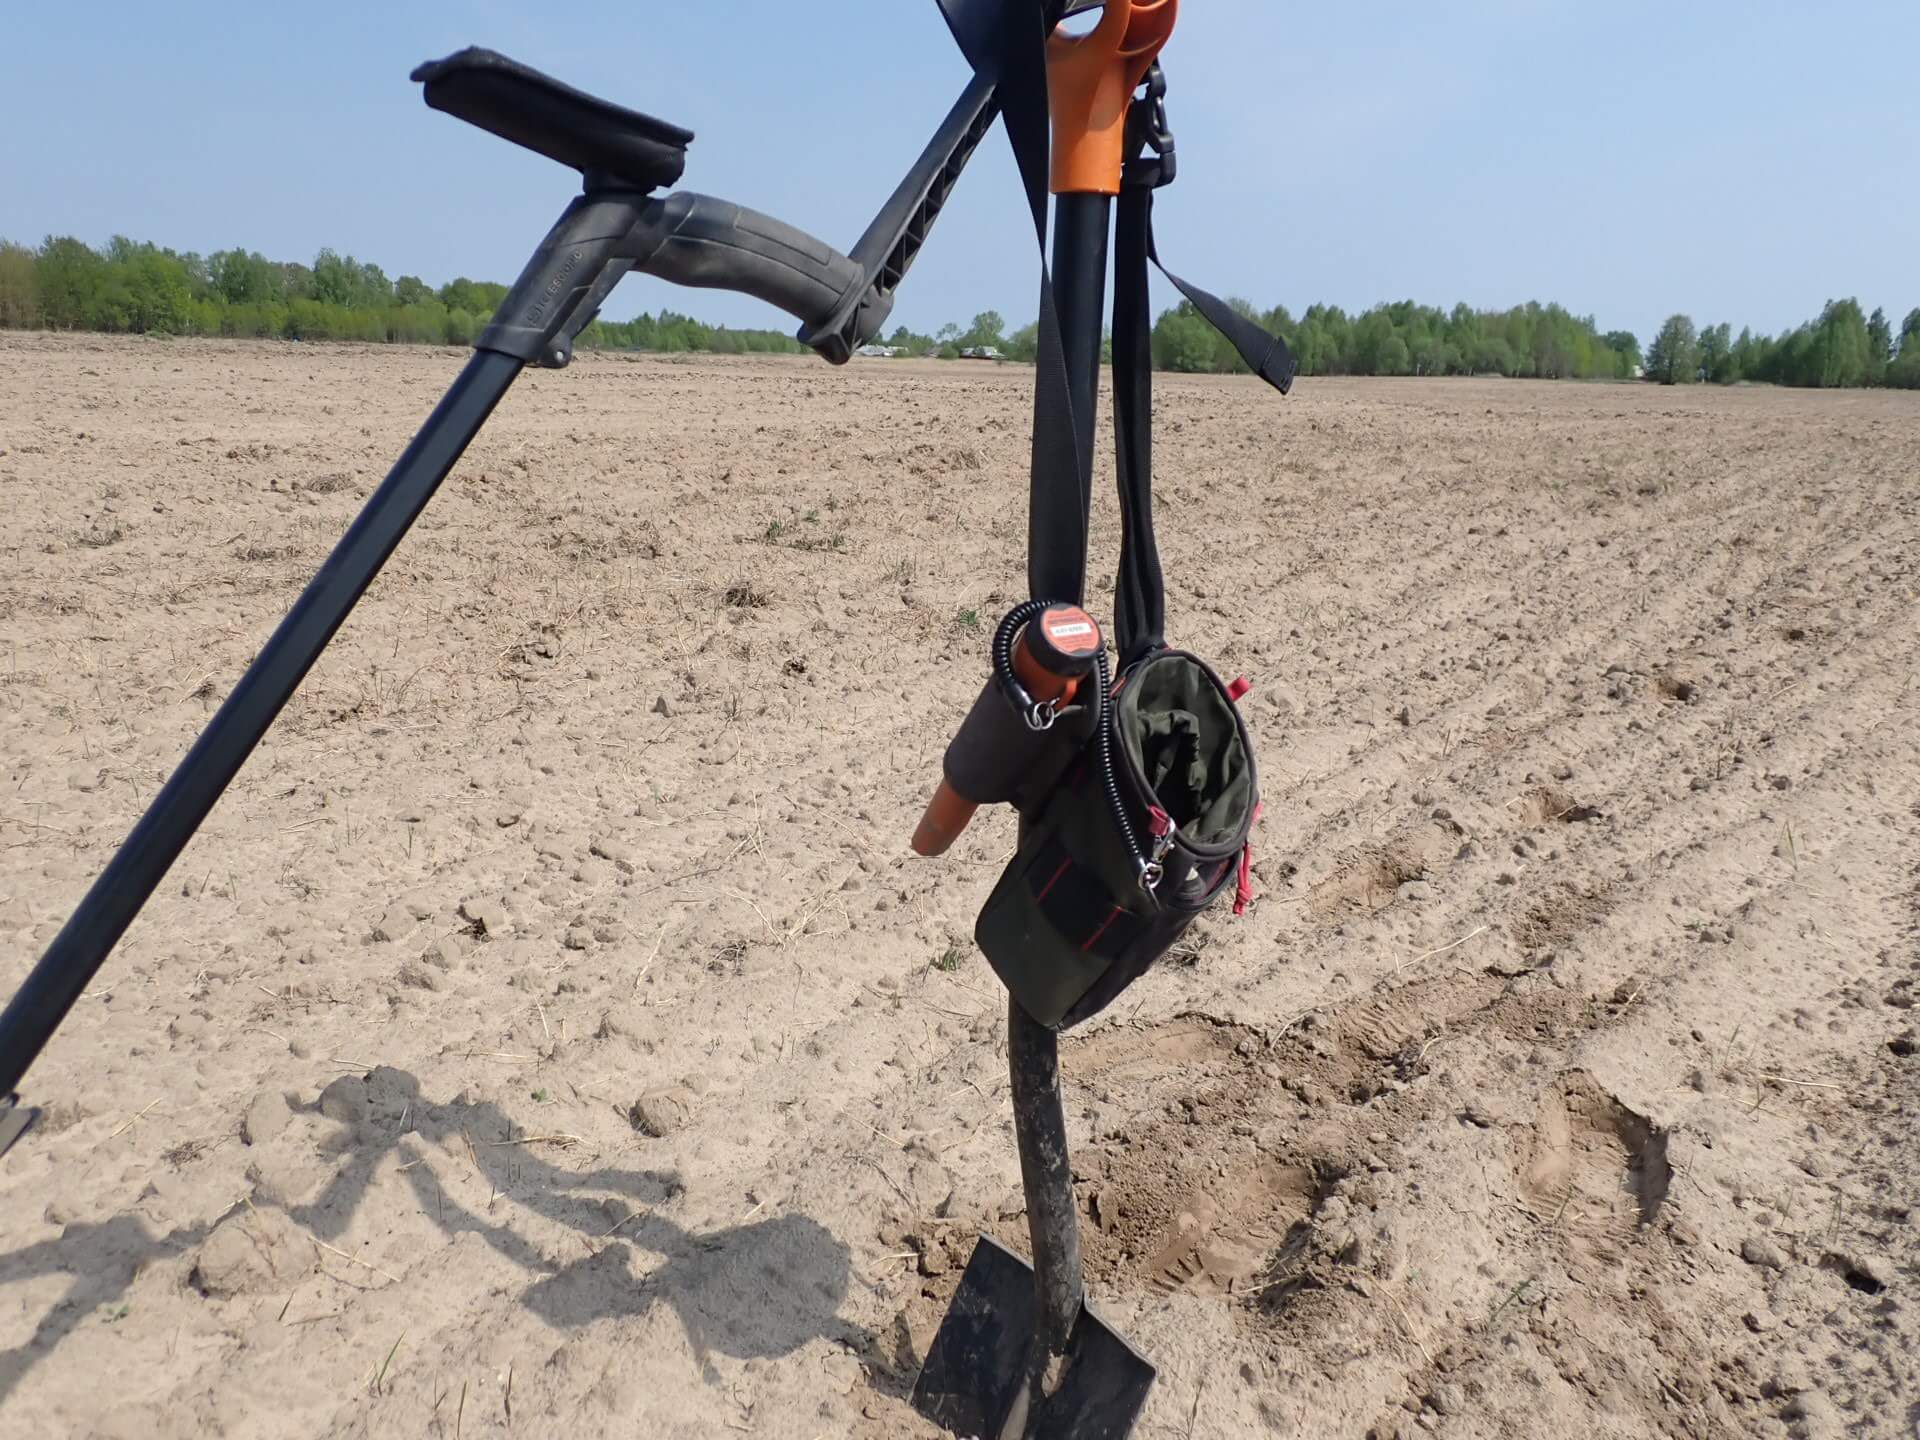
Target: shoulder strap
pixel 1057 527
pixel 1140 591
pixel 1057 532
pixel 1139 596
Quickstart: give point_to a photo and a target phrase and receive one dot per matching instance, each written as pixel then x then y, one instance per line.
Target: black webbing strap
pixel 1139 595
pixel 1266 355
pixel 1057 503
pixel 1057 532
pixel 1139 590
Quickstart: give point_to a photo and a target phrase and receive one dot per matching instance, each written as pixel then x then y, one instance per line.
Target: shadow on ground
pixel 752 1291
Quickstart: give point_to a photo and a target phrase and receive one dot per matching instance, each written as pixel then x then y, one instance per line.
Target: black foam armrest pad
pixel 518 103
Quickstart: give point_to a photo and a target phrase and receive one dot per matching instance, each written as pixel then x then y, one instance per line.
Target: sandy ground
pixel 550 1033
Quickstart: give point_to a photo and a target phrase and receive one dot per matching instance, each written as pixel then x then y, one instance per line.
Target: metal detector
pixel 615 225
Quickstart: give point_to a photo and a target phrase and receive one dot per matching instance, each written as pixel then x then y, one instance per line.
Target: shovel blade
pixel 977 1364
pixel 14 1120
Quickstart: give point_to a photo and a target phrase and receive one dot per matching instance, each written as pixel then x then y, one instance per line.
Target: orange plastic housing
pixel 1090 82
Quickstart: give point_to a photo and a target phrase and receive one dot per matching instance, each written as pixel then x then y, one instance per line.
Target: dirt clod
pixel 266 1117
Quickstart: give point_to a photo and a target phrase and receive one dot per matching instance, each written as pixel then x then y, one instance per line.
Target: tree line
pixel 131 287
pixel 1403 338
pixel 134 287
pixel 1842 348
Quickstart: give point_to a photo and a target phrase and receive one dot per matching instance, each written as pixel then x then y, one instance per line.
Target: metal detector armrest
pixel 518 103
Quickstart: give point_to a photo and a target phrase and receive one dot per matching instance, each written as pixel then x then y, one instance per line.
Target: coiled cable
pixel 1017 695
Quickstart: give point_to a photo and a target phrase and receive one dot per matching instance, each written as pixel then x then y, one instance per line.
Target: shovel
pixel 1021 1355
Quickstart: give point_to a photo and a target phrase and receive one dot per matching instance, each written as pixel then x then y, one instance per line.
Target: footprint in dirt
pixel 1187 1203
pixel 1226 1234
pixel 1593 1170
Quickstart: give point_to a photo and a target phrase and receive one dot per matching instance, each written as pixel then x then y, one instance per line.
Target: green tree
pixel 1904 372
pixel 1377 347
pixel 987 329
pixel 294 282
pixel 131 285
pixel 1674 357
pixel 1309 346
pixel 69 276
pixel 333 279
pixel 1626 350
pixel 910 341
pixel 1716 354
pixel 1879 345
pixel 1183 341
pixel 157 292
pixel 1837 353
pixel 1492 355
pixel 241 277
pixel 19 290
pixel 476 297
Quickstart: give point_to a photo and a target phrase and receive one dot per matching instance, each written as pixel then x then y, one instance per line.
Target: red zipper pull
pixel 1243 894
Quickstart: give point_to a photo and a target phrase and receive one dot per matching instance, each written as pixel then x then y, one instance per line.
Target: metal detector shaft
pixel 83 943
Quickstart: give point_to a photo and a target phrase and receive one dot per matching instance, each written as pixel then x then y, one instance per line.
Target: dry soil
pixel 549 1032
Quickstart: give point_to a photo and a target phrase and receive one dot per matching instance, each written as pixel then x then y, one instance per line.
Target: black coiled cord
pixel 1017 696
pixel 1003 638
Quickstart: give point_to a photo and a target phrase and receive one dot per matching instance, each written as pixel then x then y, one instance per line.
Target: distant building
pixel 880 352
pixel 982 352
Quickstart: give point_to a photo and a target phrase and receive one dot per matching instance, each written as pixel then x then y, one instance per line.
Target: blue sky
pixel 1741 162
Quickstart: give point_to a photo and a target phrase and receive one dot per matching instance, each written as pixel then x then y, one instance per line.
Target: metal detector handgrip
pixel 685 238
pixel 711 244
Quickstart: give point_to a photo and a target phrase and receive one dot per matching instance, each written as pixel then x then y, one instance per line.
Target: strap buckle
pixel 1148 130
